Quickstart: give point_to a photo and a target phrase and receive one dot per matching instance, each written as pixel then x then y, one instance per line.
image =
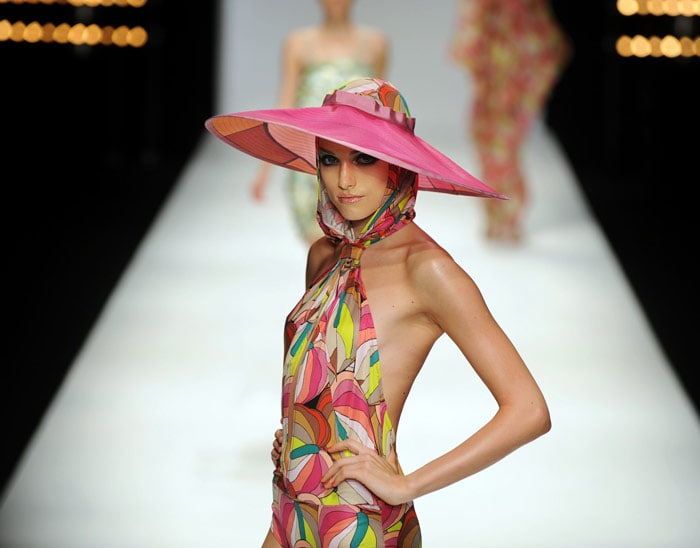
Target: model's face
pixel 356 183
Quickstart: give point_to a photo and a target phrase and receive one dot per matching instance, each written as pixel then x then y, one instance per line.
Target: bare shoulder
pixel 320 256
pixel 422 251
pixel 375 38
pixel 429 262
pixel 297 38
pixel 373 33
pixel 300 34
pixel 434 273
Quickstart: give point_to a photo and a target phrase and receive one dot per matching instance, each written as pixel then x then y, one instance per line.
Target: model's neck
pixel 337 23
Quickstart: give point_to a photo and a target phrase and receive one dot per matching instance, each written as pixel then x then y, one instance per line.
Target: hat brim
pixel 287 138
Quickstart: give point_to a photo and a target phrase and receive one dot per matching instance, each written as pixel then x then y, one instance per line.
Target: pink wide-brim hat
pixel 287 137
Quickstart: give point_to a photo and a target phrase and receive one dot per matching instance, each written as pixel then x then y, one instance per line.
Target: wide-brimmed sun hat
pixel 368 115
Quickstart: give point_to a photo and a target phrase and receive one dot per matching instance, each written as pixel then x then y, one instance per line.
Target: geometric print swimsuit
pixel 332 390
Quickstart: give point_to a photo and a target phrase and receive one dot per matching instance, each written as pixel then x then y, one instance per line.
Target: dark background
pixel 95 138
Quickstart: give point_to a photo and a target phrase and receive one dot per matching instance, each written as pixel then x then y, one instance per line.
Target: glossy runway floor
pixel 160 434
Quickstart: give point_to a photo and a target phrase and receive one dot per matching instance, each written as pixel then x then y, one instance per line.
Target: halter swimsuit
pixel 332 390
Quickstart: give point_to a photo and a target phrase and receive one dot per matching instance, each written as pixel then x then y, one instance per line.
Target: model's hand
pixel 257 189
pixel 277 448
pixel 379 475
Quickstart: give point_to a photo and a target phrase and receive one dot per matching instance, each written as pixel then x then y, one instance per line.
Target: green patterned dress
pixel 317 79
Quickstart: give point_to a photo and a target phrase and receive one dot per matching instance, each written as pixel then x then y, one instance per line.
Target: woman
pixel 380 292
pixel 515 51
pixel 315 60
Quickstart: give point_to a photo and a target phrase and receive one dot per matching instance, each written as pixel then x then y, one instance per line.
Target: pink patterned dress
pixel 332 390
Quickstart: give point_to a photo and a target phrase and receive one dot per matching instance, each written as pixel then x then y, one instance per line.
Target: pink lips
pixel 346 199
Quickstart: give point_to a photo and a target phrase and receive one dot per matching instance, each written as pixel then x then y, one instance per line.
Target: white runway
pixel 160 435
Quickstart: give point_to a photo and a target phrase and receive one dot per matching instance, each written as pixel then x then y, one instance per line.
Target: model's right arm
pixel 291 69
pixel 449 296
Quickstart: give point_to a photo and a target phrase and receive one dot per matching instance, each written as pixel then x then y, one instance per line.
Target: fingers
pixel 378 474
pixel 353 446
pixel 357 457
pixel 258 189
pixel 276 452
pixel 366 468
pixel 276 447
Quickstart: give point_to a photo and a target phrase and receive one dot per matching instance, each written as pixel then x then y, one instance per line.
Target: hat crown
pixel 375 96
pixel 382 91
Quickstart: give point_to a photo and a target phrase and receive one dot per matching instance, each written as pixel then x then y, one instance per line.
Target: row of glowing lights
pixel 668 46
pixel 687 8
pixel 80 34
pixel 626 7
pixel 78 3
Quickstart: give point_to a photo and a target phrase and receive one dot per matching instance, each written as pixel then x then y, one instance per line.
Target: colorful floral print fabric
pixel 332 390
pixel 514 50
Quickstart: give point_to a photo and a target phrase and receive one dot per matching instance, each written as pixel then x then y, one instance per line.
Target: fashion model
pixel 379 293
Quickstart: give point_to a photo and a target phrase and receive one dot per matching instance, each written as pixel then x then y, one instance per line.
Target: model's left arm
pixel 452 299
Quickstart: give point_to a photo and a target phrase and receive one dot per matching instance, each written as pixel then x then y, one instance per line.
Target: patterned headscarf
pixel 332 387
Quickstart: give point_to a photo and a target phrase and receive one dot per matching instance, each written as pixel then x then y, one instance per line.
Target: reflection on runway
pixel 161 432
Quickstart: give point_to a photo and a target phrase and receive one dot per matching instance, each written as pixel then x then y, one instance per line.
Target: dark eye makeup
pixel 359 158
pixel 365 159
pixel 326 159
